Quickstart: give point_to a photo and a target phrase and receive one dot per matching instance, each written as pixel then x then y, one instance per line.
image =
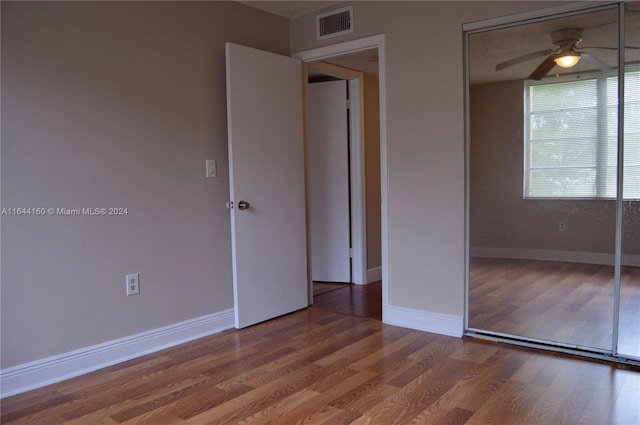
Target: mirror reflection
pixel 543 179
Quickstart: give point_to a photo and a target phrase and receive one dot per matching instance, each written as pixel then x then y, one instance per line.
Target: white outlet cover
pixel 133 284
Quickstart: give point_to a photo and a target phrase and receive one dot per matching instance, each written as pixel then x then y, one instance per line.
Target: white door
pixel 266 170
pixel 329 214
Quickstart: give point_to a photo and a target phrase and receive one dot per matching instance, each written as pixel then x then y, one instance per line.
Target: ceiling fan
pixel 564 55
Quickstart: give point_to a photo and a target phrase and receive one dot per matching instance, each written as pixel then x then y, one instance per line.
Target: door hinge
pixel 348 104
pixel 350 252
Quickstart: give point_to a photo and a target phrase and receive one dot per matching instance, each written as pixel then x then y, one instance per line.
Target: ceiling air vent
pixel 334 23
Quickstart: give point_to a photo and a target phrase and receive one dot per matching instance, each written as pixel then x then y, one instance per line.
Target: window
pixel 571 136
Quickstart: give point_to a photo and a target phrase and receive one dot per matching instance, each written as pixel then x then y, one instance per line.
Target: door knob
pixel 243 205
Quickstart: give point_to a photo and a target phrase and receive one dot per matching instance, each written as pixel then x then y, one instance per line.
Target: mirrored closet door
pixel 543 174
pixel 629 322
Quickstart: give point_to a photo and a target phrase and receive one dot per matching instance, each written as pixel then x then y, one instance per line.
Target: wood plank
pixel 357 300
pixel 320 367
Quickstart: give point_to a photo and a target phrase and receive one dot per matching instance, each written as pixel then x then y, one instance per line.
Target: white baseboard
pixel 553 255
pixel 36 374
pixel 374 274
pixel 444 324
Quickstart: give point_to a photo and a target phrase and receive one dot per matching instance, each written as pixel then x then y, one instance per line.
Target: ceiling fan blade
pixel 595 62
pixel 543 68
pixel 524 58
pixel 609 48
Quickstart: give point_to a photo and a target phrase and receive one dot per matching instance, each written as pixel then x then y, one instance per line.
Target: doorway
pixel 367 195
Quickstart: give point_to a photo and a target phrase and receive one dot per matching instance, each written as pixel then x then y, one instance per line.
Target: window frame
pixel 601 78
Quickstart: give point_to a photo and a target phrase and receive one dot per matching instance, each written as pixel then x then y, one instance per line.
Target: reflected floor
pixel 555 301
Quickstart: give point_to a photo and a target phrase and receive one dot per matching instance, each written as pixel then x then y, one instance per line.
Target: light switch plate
pixel 211 168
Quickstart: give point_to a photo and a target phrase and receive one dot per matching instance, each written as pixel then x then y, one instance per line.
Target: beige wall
pixel 425 139
pixel 116 104
pixel 119 104
pixel 372 172
pixel 499 216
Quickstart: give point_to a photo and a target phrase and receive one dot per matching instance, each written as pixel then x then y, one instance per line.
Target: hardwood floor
pixel 556 301
pixel 319 367
pixel 324 287
pixel 357 300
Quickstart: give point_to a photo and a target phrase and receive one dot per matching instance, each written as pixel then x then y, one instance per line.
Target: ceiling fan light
pixel 567 60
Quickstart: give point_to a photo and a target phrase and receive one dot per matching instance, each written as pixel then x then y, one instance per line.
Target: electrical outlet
pixel 133 284
pixel 562 226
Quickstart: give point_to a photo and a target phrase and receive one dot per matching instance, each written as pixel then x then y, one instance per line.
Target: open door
pixel 329 211
pixel 267 186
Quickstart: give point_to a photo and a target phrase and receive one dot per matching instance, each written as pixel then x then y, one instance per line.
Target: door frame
pixel 359 263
